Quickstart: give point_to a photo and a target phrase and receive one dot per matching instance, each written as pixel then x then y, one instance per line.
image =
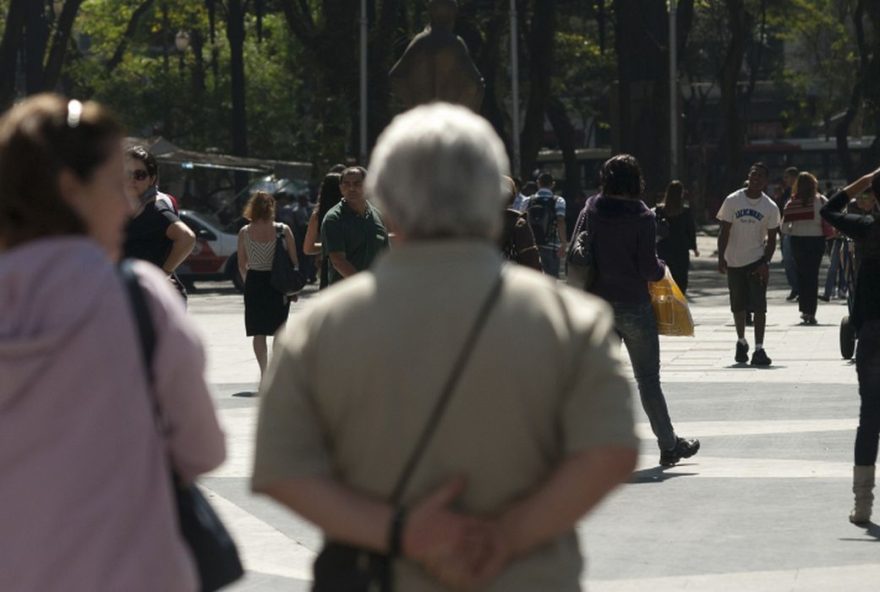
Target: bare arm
pixel 184 240
pixel 770 247
pixel 433 534
pixel 310 243
pixel 723 238
pixel 563 234
pixel 291 245
pixel 859 186
pixel 339 261
pixel 574 489
pixel 242 255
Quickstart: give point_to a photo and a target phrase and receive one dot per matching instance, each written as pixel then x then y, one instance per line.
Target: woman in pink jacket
pixel 85 496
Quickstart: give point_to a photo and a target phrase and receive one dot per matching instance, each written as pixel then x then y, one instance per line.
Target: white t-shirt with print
pixel 750 219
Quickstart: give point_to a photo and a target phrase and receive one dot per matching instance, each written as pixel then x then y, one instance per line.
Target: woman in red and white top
pixel 804 224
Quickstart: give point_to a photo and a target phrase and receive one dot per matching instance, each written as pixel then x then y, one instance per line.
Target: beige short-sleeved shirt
pixel 359 371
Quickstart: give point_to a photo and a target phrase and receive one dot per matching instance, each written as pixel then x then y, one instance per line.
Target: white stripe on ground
pixel 703 429
pixel 716 467
pixel 852 578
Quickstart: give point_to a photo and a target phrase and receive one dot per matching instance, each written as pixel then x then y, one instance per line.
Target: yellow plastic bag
pixel 671 308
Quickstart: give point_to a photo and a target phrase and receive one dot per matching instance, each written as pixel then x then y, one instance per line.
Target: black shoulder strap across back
pixel 145 329
pixel 448 389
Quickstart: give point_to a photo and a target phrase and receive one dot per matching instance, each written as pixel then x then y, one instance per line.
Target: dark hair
pixel 762 166
pixel 337 168
pixel 530 188
pixel 791 171
pixel 145 156
pixel 353 170
pixel 329 195
pixel 673 199
pixel 545 180
pixel 622 175
pixel 260 206
pixel 38 138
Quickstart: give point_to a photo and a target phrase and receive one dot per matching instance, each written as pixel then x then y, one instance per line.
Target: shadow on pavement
pixel 872 530
pixel 656 475
pixel 245 394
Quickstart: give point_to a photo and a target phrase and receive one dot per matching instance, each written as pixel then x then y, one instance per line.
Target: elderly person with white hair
pixel 392 417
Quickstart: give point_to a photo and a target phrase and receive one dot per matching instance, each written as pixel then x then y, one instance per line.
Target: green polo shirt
pixel 361 238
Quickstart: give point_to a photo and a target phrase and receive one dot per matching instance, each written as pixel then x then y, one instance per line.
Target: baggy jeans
pixel 637 327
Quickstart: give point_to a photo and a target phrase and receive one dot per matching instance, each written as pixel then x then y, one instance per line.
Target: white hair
pixel 437 172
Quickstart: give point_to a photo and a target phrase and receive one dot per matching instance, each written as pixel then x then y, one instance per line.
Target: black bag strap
pixel 448 389
pixel 146 331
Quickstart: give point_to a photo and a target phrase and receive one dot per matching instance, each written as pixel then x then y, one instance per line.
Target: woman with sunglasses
pixel 86 500
pixel 155 233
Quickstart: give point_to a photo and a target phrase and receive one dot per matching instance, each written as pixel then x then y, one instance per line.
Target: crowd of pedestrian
pixel 391 413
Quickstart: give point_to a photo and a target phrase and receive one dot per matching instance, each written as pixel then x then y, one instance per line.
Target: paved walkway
pixel 762 507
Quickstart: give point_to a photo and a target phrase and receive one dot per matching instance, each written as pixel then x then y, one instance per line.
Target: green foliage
pixel 823 62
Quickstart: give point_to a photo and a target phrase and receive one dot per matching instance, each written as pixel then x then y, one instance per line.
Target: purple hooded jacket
pixel 85 494
pixel 624 247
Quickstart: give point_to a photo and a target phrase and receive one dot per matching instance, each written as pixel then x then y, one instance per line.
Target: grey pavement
pixel 762 507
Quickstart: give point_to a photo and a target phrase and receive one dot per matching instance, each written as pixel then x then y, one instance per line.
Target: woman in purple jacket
pixel 86 501
pixel 623 232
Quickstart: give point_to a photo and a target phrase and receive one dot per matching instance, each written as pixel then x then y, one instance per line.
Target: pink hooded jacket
pixel 85 496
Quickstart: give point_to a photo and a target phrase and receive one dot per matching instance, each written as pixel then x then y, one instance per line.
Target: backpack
pixel 541 212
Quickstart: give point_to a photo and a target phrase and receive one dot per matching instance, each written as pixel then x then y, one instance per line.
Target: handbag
pixel 580 263
pixel 284 275
pixel 212 548
pixel 346 568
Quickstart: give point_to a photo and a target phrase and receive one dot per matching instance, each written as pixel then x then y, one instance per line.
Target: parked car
pixel 215 255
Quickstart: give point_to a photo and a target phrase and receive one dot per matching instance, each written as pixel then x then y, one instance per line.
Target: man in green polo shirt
pixel 352 233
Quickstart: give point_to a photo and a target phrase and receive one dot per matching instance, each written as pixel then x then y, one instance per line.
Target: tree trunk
pixel 642 109
pixel 9 45
pixel 235 35
pixel 60 42
pixel 541 44
pixel 119 53
pixel 565 133
pixel 733 134
pixel 36 37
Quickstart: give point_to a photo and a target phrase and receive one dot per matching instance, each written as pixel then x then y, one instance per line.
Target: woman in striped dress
pixel 265 308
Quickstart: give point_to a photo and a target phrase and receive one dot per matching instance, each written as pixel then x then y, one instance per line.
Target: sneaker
pixel 793 296
pixel 742 353
pixel 825 298
pixel 682 449
pixel 759 358
pixel 808 320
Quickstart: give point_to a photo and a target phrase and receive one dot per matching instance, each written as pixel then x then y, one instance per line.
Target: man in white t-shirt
pixel 749 223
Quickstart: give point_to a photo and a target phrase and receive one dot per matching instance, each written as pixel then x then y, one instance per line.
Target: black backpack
pixel 541 212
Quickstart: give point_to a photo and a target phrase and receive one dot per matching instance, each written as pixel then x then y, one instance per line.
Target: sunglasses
pixel 138 175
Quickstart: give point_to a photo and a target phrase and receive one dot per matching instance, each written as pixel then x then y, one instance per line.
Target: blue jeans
pixel 637 327
pixel 550 261
pixel 835 277
pixel 789 264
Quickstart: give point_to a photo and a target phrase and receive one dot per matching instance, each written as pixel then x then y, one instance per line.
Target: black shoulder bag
pixel 346 568
pixel 580 263
pixel 284 276
pixel 212 548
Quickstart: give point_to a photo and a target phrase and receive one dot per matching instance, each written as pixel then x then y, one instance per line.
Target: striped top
pixel 260 254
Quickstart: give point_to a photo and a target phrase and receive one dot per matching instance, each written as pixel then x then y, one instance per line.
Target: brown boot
pixel 863 486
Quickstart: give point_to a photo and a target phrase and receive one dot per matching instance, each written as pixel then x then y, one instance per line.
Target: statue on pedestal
pixel 437 65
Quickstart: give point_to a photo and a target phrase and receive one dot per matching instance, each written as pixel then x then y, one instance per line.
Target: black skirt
pixel 265 308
